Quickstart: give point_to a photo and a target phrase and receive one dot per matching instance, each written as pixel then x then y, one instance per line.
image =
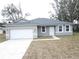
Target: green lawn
pixel 2 37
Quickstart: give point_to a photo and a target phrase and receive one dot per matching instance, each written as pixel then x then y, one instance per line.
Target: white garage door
pixel 21 34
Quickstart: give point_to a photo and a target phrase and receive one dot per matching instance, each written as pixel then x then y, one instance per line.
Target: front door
pixel 51 31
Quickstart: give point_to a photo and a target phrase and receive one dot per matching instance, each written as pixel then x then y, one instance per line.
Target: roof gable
pixel 47 21
pixel 20 21
pixel 39 22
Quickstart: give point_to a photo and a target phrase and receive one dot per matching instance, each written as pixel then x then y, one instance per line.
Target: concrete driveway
pixel 14 49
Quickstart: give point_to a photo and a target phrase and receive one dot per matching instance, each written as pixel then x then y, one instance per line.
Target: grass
pixel 75 36
pixel 65 48
pixel 2 37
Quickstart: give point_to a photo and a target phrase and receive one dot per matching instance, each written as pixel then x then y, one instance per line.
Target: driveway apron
pixel 14 49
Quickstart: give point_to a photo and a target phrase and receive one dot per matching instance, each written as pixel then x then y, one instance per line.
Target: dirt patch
pixel 2 38
pixel 53 49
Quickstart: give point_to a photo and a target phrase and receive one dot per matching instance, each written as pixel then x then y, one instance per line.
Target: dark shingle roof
pixel 39 22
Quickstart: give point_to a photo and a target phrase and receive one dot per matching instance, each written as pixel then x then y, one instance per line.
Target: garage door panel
pixel 21 34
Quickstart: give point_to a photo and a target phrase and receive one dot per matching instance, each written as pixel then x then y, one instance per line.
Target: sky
pixel 36 8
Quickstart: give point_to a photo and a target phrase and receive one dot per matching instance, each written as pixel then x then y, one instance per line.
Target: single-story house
pixel 76 25
pixel 36 28
pixel 2 30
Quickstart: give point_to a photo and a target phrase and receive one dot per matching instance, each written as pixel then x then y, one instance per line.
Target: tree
pixel 12 13
pixel 66 10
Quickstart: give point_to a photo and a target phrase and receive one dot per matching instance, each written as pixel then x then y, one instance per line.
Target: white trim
pixel 65 28
pixel 58 29
pixel 51 31
pixel 41 29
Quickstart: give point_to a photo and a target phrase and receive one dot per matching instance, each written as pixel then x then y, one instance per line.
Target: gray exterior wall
pixel 56 30
pixel 64 32
pixel 43 34
pixel 37 30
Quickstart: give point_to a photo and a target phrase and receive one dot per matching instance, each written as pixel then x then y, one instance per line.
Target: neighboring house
pixel 37 28
pixel 76 25
pixel 1 28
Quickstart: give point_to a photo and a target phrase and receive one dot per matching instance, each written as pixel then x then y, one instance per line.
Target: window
pixel 67 27
pixel 60 28
pixel 43 28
